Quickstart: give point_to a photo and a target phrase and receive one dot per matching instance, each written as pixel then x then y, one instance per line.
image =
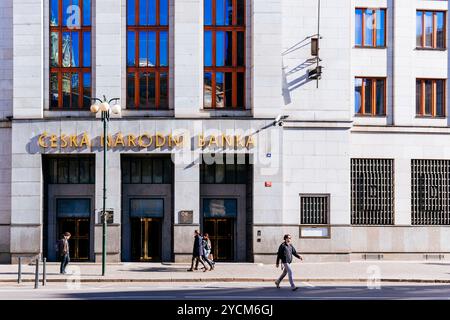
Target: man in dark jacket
pixel 197 251
pixel 285 253
pixel 64 252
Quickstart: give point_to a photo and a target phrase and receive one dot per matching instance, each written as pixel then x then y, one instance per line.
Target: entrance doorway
pixel 221 234
pixel 79 241
pixel 146 239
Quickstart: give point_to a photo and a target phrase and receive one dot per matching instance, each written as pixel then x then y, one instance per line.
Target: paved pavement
pixel 358 271
pixel 223 291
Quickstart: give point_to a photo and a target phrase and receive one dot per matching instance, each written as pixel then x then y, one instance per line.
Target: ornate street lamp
pixel 105 109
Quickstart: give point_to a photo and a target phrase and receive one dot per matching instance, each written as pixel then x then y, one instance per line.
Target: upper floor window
pixel 224 54
pixel 430 29
pixel 70 54
pixel 370 27
pixel 147 54
pixel 370 96
pixel 430 98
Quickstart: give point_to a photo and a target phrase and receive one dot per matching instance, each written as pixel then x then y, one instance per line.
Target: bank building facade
pixel 244 119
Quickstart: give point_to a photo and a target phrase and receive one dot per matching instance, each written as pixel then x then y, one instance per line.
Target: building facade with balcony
pixel 358 170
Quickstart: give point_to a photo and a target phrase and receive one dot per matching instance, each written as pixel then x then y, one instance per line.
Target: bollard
pixel 44 273
pixel 19 274
pixel 36 275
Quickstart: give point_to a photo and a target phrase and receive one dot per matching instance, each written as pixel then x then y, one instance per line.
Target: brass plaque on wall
pixel 186 217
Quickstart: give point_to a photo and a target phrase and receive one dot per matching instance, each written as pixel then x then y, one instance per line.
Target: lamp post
pixel 105 109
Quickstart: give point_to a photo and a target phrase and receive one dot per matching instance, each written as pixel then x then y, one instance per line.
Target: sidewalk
pixel 419 272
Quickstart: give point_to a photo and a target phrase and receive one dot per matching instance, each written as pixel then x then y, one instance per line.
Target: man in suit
pixel 197 251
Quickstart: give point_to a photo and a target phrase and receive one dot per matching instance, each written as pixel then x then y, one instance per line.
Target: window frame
pixel 234 69
pixel 157 69
pixel 433 98
pixel 317 225
pixel 434 36
pixel 60 29
pixel 374 30
pixel 373 100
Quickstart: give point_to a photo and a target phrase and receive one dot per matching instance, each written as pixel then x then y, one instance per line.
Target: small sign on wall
pixel 109 214
pixel 186 217
pixel 268 184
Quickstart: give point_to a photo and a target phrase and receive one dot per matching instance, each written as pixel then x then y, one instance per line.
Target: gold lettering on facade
pixel 85 140
pixel 53 141
pixel 177 141
pixel 212 140
pixel 201 140
pixel 108 141
pixel 141 140
pixel 131 139
pixel 64 142
pixel 160 140
pixel 73 141
pixel 227 140
pixel 240 142
pixel 119 140
pixel 250 142
pixel 41 140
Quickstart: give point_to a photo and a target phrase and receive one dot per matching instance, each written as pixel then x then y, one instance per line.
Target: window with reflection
pixel 370 27
pixel 430 97
pixel 224 54
pixel 147 54
pixel 430 29
pixel 370 96
pixel 70 54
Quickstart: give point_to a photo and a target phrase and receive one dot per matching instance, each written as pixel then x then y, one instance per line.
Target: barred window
pixel 372 191
pixel 147 170
pixel 430 199
pixel 70 169
pixel 314 209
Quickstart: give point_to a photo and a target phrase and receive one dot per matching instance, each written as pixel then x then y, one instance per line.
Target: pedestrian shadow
pixel 156 269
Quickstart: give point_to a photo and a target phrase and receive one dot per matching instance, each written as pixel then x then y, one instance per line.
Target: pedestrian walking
pixel 207 251
pixel 285 253
pixel 64 252
pixel 197 252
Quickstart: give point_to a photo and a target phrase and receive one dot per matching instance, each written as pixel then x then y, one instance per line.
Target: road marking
pixel 308 284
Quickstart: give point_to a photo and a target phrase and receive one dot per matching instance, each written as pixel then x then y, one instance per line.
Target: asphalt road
pixel 222 291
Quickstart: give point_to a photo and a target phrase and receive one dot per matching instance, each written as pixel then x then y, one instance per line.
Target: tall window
pixel 70 54
pixel 147 54
pixel 430 97
pixel 370 27
pixel 430 29
pixel 370 96
pixel 224 54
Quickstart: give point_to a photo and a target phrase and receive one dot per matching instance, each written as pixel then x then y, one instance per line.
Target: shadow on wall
pixel 298 75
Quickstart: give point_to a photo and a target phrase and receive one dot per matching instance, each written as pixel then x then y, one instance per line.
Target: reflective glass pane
pixel 73 171
pixel 219 90
pixel 216 208
pixel 440 103
pixel 66 77
pixel 163 48
pixel 368 96
pixel 358 93
pixel 240 49
pixel 380 107
pixel 75 61
pixel 207 10
pixel 419 28
pixel 143 49
pixel 163 92
pixel 152 49
pixel 53 171
pixel 147 170
pixel 54 90
pixel 84 170
pixel 369 23
pixel 143 89
pixel 428 96
pixel 135 171
pixel 65 12
pixel 131 12
pixel 87 49
pixel 151 12
pixel 66 48
pixel 224 12
pixel 220 48
pixel 63 171
pixel 209 172
pixel 130 90
pixel 131 48
pixel 230 173
pixel 151 90
pixel 220 173
pixel 358 27
pixel 73 207
pixel 381 17
pixel 240 12
pixel 143 11
pixel 207 90
pixel 75 94
pixel 208 49
pixel 145 208
pixel 92 170
pixel 228 45
pixel 163 12
pixel 418 96
pixel 428 29
pixel 157 171
pixel 87 12
pixel 440 30
pixel 87 90
pixel 168 170
pixel 229 89
pixel 240 90
pixel 54 47
pixel 241 173
pixel 125 171
pixel 54 18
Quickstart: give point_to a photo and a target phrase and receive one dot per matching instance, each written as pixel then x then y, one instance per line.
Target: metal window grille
pixel 372 193
pixel 430 200
pixel 314 209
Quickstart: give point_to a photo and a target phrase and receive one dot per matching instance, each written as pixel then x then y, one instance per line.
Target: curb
pixel 165 280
